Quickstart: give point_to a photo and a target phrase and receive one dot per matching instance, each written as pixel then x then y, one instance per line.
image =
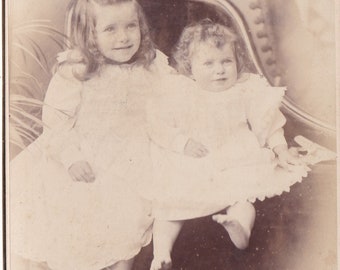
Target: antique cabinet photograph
pixel 170 135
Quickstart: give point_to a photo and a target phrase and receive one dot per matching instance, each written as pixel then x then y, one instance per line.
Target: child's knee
pixel 242 207
pixel 244 212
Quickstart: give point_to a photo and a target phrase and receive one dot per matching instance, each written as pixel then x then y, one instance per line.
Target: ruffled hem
pixel 223 193
pixel 110 258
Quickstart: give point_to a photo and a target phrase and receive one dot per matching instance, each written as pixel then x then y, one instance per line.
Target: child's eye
pixel 110 29
pixel 207 63
pixel 132 25
pixel 227 61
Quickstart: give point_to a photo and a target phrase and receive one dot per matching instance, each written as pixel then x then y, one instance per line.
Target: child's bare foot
pixel 165 233
pixel 238 234
pixel 161 264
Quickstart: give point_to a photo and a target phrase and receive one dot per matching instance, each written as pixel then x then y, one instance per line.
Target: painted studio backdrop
pixel 290 42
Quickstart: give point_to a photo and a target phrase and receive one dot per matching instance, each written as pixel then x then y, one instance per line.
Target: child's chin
pixel 218 88
pixel 118 61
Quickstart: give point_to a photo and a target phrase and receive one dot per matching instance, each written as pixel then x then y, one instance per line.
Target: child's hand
pixel 195 149
pixel 81 171
pixel 287 159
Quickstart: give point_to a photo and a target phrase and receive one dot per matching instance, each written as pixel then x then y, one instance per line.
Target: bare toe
pixel 166 266
pixel 222 219
pixel 161 265
pixel 238 234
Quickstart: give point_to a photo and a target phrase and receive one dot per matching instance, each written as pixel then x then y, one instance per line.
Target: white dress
pixel 76 225
pixel 240 164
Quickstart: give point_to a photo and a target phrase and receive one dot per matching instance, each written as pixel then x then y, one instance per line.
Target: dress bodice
pixel 113 103
pixel 249 109
pixel 111 115
pixel 220 116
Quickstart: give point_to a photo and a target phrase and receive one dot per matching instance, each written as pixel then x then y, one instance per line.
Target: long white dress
pixel 240 164
pixel 76 225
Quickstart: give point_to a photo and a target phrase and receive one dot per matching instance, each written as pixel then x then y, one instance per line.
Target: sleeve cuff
pixel 277 138
pixel 179 143
pixel 70 155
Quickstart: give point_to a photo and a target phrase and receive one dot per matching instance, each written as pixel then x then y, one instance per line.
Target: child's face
pixel 118 34
pixel 214 68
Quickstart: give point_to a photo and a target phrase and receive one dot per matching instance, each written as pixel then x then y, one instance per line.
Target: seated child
pixel 218 141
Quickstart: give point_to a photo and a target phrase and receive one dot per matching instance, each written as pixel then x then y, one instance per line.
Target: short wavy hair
pixel 203 31
pixel 81 31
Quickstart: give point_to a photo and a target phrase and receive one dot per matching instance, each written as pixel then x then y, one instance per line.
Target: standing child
pixel 76 192
pixel 218 143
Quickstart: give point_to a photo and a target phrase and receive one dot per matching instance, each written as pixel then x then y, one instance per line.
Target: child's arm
pixel 262 104
pixel 162 116
pixel 273 123
pixel 62 98
pixel 276 139
pixel 61 103
pixel 267 121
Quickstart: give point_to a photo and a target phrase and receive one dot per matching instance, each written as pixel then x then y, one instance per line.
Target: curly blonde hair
pixel 202 31
pixel 81 26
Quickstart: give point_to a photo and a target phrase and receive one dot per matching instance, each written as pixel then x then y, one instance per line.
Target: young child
pixel 218 141
pixel 76 193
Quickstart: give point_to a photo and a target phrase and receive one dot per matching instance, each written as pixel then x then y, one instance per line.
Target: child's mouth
pixel 221 80
pixel 123 48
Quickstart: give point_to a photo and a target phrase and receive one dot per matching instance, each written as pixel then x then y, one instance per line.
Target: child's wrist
pixel 280 148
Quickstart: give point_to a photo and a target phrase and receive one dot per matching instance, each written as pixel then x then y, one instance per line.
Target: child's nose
pixel 122 36
pixel 220 69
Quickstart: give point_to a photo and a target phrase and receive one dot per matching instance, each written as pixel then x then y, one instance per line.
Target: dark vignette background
pixel 294 231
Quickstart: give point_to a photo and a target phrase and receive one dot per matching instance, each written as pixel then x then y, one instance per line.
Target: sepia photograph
pixel 170 135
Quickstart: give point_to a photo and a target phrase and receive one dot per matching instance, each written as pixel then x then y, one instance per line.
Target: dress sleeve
pixel 262 103
pixel 60 108
pixel 163 113
pixel 161 65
